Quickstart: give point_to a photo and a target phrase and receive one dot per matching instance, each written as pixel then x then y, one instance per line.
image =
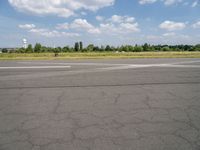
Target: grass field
pixel 97 55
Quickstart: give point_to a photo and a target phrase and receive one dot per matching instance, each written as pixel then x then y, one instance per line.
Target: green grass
pixel 97 55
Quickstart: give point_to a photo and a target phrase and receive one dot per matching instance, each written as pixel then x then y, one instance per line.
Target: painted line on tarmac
pixel 113 64
pixel 79 64
pixel 147 66
pixel 185 62
pixel 36 67
pixel 183 66
pixel 93 70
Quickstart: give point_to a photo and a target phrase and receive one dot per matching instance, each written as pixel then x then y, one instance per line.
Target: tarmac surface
pixel 125 104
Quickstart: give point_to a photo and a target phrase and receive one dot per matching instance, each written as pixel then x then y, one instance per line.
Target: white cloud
pixel 169 34
pixel 120 19
pixel 80 24
pixel 62 26
pixel 146 1
pixel 61 8
pixel 129 19
pixel 116 19
pixel 130 27
pixel 168 38
pixel 113 25
pixel 108 28
pixel 94 31
pixel 196 25
pixel 125 25
pixel 48 33
pixel 195 3
pixel 171 2
pixel 119 25
pixel 166 2
pixel 83 24
pixel 99 18
pixel 26 26
pixel 172 26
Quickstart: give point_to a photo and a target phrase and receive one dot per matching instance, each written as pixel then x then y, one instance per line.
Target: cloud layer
pixel 103 27
pixel 172 26
pixel 114 25
pixel 111 26
pixel 61 8
pixel 169 2
pixel 196 25
pixel 26 26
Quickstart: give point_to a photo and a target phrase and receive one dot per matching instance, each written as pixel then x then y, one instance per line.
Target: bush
pixel 4 50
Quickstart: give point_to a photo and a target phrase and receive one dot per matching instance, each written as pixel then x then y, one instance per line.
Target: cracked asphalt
pixel 125 104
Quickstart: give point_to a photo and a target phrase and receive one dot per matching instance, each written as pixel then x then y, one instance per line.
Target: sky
pixel 101 22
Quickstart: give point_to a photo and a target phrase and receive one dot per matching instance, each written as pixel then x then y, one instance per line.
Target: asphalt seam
pixel 92 86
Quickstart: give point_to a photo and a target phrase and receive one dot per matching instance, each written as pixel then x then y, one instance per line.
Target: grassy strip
pixel 98 55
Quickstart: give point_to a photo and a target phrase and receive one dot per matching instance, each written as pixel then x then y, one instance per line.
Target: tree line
pixel 78 47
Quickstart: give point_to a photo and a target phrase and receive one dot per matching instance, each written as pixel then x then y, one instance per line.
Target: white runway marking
pixel 36 67
pixel 76 64
pixel 150 65
pixel 113 64
pixel 100 67
pixel 184 66
pixel 186 62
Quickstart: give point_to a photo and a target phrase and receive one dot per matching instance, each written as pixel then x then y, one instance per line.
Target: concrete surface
pixel 130 104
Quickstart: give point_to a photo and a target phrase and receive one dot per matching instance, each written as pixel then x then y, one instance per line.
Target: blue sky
pixel 114 22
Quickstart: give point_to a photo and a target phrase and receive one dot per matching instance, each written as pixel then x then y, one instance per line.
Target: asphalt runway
pixel 124 104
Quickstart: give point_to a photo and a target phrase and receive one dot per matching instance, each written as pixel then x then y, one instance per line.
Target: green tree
pixel 90 47
pixel 4 50
pixel 56 51
pixel 96 49
pixel 124 48
pixel 29 49
pixel 166 48
pixel 108 48
pixel 66 49
pixel 76 47
pixel 37 48
pixel 197 47
pixel 59 49
pixel 81 46
pixel 21 50
pixel 45 49
pixel 138 48
pixel 145 47
pixel 130 48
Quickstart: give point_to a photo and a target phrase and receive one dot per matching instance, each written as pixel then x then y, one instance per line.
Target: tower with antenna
pixel 24 43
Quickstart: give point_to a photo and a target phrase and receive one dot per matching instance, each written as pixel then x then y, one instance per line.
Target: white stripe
pixel 110 64
pixel 79 64
pixel 150 65
pixel 185 62
pixel 183 66
pixel 36 67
